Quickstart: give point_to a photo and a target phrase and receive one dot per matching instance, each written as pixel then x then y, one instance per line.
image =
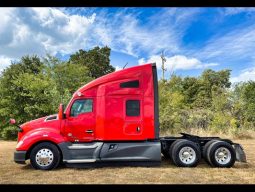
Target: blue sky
pixel 193 39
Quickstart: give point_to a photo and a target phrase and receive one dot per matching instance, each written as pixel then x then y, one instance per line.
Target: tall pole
pixel 163 65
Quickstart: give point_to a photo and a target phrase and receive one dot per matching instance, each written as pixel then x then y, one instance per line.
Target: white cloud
pixel 124 32
pixel 177 62
pixel 42 30
pixel 49 30
pixel 117 68
pixel 142 61
pixel 239 43
pixel 245 75
pixel 4 62
pixel 237 10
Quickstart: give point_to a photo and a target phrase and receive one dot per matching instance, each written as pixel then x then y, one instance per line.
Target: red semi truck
pixel 115 119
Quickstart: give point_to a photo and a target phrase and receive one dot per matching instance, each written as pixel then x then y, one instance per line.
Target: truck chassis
pixel 184 151
pixel 215 151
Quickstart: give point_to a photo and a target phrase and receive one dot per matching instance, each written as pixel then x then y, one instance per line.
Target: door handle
pixel 89 131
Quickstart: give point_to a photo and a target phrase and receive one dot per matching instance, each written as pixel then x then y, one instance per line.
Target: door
pixel 133 117
pixel 80 124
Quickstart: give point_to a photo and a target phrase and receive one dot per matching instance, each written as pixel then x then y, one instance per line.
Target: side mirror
pixel 12 121
pixel 61 111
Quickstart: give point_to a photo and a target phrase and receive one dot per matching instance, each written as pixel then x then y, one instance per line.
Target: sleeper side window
pixel 81 106
pixel 133 108
pixel 130 84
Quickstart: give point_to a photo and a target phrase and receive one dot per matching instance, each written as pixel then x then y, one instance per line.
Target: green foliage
pixel 97 61
pixel 249 101
pixel 9 133
pixel 206 102
pixel 34 87
pixel 37 94
pixel 190 89
pixel 15 96
pixel 67 77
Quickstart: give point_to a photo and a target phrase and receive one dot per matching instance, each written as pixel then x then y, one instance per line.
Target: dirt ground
pixel 167 173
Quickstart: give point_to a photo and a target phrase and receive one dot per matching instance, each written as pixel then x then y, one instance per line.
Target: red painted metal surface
pixel 108 120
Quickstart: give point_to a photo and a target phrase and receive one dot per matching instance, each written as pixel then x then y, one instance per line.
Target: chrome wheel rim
pixel 187 155
pixel 44 157
pixel 222 155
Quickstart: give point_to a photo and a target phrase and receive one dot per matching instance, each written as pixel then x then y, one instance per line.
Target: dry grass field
pixel 11 173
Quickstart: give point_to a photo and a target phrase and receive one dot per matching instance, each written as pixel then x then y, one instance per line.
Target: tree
pixel 219 79
pixel 249 101
pixel 190 89
pixel 208 81
pixel 24 89
pixel 67 76
pixel 96 60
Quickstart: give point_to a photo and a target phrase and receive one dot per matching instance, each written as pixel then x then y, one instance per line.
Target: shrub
pixel 9 133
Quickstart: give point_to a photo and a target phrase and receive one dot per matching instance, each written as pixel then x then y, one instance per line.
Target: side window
pixel 81 106
pixel 133 108
pixel 130 84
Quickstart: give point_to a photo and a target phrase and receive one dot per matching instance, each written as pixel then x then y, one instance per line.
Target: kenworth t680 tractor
pixel 115 120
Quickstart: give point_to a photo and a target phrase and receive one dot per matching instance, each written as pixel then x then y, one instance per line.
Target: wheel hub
pixel 187 155
pixel 222 155
pixel 44 157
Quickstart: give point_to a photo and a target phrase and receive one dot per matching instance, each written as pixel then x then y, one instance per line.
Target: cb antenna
pixel 125 65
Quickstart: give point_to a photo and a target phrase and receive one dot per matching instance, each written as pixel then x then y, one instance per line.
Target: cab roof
pixel 127 73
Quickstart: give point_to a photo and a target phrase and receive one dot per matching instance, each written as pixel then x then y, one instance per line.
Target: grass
pixel 167 173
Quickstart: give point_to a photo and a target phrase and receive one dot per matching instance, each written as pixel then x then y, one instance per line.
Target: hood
pixel 39 123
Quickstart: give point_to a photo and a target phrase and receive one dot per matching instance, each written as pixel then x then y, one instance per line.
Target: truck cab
pixel 118 106
pixel 115 119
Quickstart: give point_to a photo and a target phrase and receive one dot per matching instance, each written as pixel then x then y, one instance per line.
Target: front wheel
pixel 45 156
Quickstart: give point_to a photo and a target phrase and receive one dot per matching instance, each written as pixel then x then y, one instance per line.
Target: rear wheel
pixel 205 149
pixel 185 154
pixel 171 147
pixel 221 154
pixel 45 156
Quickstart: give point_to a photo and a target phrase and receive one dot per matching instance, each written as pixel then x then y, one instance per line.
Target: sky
pixel 193 39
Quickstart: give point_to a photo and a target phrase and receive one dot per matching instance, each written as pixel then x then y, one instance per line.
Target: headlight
pixel 19 144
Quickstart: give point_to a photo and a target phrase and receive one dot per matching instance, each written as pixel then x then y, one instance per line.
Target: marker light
pixel 79 94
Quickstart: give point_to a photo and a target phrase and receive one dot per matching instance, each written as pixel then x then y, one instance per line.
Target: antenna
pixel 125 65
pixel 163 65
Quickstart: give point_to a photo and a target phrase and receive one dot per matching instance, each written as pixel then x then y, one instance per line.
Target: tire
pixel 50 156
pixel 226 154
pixel 171 147
pixel 205 148
pixel 186 154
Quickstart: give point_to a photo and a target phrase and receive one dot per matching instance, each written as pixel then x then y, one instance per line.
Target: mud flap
pixel 240 154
